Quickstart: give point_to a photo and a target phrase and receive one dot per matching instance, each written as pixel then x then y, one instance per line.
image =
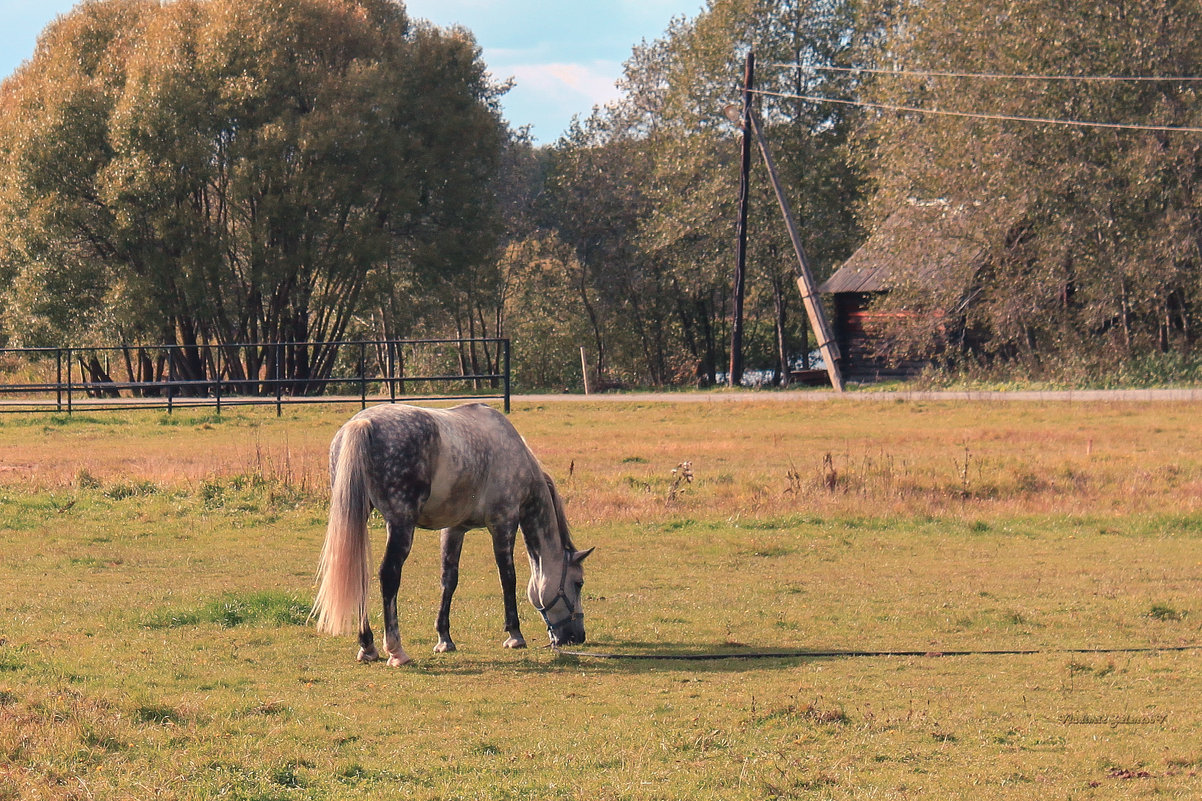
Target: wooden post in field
pixel 805 276
pixel 584 371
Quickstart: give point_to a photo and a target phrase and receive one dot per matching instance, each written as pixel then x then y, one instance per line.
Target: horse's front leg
pixel 502 546
pixel 452 547
pixel 400 541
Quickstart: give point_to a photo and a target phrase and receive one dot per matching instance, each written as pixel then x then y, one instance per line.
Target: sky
pixel 563 55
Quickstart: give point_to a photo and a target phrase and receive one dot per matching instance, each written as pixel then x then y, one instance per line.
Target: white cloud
pixel 593 81
pixel 547 95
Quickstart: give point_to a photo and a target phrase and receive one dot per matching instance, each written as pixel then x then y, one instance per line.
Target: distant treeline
pixel 218 171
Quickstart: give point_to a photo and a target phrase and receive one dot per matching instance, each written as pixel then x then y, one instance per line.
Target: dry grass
pixel 616 461
pixel 180 450
pixel 874 458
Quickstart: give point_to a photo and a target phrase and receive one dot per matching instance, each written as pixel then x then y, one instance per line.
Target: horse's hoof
pixel 444 646
pixel 398 659
pixel 515 642
pixel 368 656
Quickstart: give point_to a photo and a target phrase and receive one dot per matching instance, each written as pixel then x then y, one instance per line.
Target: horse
pixel 450 469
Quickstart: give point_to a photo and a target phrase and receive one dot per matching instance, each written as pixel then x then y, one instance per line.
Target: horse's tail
pixel 561 519
pixel 345 568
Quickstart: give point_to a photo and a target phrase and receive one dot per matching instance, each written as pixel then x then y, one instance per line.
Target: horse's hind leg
pixel 502 546
pixel 452 547
pixel 367 645
pixel 400 541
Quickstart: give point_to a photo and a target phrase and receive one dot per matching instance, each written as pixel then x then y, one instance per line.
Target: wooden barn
pixel 930 242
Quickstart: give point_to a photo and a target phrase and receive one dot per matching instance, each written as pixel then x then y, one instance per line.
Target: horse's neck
pixel 540 528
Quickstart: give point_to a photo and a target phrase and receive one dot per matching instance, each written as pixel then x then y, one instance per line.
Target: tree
pixel 594 199
pixel 544 318
pixel 1090 241
pixel 226 171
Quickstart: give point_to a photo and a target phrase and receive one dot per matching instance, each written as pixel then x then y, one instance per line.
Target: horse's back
pixel 460 466
pixel 484 471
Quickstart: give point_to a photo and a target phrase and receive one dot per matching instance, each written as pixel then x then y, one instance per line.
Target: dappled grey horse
pixel 450 469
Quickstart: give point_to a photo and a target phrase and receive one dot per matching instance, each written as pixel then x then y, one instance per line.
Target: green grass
pixel 235 609
pixel 155 640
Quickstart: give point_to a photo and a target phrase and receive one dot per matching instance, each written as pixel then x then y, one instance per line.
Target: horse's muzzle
pixel 569 632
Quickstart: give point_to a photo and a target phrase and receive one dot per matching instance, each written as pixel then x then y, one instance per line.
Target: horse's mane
pixel 561 519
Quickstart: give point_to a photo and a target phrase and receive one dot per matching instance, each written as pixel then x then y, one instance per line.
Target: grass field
pixel 156 574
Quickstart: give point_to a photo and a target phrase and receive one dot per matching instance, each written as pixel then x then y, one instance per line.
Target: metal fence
pixel 68 379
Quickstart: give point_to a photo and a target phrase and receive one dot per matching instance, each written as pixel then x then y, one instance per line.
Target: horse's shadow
pixel 631 658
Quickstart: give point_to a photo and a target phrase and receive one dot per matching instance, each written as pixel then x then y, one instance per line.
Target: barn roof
pixel 924 240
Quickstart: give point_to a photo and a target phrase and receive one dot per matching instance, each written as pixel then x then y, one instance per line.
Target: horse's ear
pixel 580 556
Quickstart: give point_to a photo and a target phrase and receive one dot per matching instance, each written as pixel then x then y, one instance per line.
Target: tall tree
pixel 242 170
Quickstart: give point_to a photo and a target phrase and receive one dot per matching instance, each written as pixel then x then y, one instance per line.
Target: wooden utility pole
pixel 735 376
pixel 805 276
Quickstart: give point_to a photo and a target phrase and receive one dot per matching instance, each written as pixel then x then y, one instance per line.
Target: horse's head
pixel 556 596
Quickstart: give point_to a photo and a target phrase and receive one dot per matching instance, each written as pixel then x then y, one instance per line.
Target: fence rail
pixel 65 379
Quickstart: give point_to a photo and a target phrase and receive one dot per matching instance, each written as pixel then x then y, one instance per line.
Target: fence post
pixel 68 381
pixel 505 349
pixel 217 379
pixel 400 366
pixel 392 371
pixel 363 375
pixel 58 380
pixel 279 398
pixel 170 379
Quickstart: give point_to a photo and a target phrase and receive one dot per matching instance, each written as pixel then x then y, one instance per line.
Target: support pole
pixel 735 376
pixel 805 276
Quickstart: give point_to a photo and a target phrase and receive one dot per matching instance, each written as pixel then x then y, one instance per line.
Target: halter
pixel 556 628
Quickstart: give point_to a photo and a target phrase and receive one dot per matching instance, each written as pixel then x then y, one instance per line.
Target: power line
pixel 990 75
pixel 983 116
